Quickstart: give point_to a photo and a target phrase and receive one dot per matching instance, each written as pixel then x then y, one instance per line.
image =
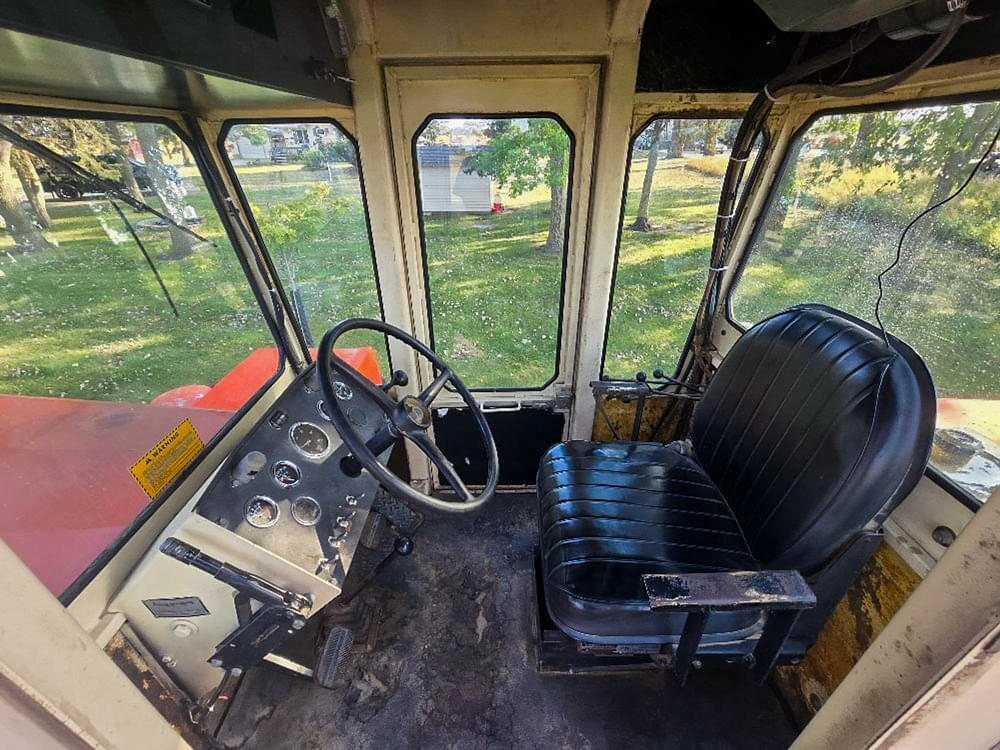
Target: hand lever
pixel 398 378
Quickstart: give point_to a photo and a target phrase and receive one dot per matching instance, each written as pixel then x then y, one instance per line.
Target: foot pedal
pixel 338 643
pixel 396 512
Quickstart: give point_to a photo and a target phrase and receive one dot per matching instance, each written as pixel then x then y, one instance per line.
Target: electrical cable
pixel 918 217
pixel 752 125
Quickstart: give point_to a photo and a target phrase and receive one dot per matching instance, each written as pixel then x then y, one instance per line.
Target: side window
pixel 675 175
pixel 494 198
pixel 851 184
pixel 303 184
pixel 117 329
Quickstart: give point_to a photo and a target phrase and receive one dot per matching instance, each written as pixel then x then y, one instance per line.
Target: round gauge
pixel 286 473
pixel 306 511
pixel 321 407
pixel 309 438
pixel 261 512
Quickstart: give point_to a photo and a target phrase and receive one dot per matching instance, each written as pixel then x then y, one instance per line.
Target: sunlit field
pixel 86 319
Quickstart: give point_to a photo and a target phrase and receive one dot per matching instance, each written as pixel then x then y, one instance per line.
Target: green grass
pixel 87 319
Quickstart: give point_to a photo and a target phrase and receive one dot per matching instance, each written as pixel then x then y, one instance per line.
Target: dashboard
pixel 285 487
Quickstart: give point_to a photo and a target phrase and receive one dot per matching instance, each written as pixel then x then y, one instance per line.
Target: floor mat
pixel 455 668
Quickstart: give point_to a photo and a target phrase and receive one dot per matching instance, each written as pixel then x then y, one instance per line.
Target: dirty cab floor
pixel 455 667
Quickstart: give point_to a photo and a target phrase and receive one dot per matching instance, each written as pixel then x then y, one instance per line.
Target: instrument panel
pixel 284 488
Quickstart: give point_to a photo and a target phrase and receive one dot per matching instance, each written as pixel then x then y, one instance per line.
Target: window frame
pixel 224 129
pixel 993 95
pixel 425 269
pixel 748 180
pixel 194 144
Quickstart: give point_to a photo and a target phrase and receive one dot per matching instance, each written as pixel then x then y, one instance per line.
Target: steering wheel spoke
pixel 428 394
pixel 446 469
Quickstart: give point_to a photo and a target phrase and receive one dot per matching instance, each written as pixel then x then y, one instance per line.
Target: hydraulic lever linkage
pixel 283 612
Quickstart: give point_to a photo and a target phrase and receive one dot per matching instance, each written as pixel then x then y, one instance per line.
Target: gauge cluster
pixel 283 488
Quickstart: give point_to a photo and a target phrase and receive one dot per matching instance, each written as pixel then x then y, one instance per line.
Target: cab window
pixel 851 183
pixel 674 178
pixel 494 207
pixel 118 329
pixel 302 181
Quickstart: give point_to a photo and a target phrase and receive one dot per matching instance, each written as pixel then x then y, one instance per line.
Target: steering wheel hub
pixel 416 412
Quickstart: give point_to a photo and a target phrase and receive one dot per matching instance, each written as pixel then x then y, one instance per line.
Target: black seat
pixel 811 431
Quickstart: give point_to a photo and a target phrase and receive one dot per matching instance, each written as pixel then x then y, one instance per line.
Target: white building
pixel 444 185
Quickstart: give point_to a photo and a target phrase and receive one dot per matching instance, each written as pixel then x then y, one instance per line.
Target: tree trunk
pixel 166 189
pixel 711 130
pixel 676 140
pixel 975 132
pixel 26 234
pixel 865 128
pixel 125 166
pixel 31 184
pixel 557 203
pixel 641 223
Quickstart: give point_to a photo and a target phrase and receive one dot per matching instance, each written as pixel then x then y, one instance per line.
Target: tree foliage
pixel 523 154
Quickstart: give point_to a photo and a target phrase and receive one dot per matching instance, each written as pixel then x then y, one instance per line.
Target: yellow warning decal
pixel 160 466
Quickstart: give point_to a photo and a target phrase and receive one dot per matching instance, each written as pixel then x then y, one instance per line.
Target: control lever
pixel 398 378
pixel 283 612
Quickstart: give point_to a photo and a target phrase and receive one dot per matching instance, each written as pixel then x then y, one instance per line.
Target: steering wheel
pixel 409 417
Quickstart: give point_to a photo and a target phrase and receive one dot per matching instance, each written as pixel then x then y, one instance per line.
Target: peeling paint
pixel 884 584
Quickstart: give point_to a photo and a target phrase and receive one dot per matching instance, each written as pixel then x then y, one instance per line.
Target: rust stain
pixel 622 416
pixel 170 706
pixel 884 584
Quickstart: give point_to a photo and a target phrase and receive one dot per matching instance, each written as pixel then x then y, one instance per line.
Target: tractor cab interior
pixel 441 374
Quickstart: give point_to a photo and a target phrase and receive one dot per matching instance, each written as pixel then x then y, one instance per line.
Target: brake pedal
pixel 338 644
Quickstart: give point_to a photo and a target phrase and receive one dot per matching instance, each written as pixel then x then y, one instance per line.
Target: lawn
pixel 86 319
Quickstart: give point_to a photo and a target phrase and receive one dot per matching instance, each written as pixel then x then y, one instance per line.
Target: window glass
pixel 851 184
pixel 675 176
pixel 98 361
pixel 494 198
pixel 304 187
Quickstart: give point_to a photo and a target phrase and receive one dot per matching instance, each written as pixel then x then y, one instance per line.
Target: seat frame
pixel 558 653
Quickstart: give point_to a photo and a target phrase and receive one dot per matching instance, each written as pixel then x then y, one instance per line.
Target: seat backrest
pixel 813 428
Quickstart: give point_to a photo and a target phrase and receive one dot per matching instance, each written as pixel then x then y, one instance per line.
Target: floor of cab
pixel 455 667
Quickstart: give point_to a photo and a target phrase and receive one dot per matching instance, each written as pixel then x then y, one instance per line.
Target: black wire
pixel 918 217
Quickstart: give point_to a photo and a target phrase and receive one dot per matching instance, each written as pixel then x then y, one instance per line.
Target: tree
pixel 127 174
pixel 866 126
pixel 253 133
pixel 654 131
pixel 710 131
pixel 27 236
pixel 32 186
pixel 681 135
pixel 167 187
pixel 290 224
pixel 522 155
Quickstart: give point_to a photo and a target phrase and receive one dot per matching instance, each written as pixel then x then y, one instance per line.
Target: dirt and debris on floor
pixel 455 668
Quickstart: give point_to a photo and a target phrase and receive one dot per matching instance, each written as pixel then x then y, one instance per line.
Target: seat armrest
pixel 735 590
pixel 782 594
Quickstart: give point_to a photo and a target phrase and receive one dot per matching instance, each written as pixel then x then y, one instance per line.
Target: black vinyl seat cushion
pixel 814 428
pixel 610 512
